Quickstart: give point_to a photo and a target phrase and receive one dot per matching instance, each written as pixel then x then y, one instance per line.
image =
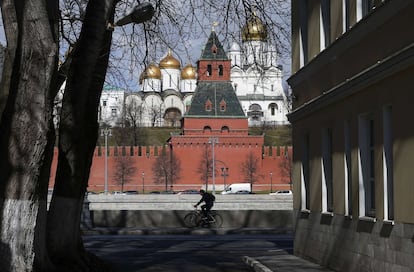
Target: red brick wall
pixel 202 70
pixel 226 155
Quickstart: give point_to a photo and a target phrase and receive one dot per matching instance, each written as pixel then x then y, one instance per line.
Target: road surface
pixel 182 253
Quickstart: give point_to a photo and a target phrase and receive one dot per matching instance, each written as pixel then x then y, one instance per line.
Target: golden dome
pixel 254 30
pixel 189 72
pixel 169 62
pixel 152 71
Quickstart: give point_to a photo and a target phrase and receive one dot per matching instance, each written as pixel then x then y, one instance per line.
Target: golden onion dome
pixel 169 62
pixel 254 30
pixel 152 71
pixel 189 72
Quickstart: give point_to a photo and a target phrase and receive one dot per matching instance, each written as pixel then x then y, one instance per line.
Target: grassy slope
pixel 279 136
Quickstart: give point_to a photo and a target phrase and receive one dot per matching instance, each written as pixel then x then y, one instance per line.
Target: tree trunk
pixel 26 114
pixel 78 134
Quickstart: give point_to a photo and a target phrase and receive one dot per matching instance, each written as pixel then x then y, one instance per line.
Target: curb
pixel 256 265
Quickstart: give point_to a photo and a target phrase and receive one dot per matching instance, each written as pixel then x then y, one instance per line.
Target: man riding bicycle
pixel 208 199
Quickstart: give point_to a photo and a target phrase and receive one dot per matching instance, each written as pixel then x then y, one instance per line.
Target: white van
pixel 237 187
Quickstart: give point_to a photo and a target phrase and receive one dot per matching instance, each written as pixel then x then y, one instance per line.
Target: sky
pixel 187 49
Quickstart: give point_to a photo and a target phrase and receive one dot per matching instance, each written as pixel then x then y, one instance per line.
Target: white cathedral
pixel 166 89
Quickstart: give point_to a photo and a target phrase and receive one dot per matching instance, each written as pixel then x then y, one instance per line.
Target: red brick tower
pixel 215 124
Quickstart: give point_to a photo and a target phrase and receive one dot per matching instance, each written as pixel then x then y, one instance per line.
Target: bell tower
pixel 213 64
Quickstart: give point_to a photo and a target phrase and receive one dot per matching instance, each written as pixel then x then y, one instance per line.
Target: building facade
pixel 352 63
pixel 167 88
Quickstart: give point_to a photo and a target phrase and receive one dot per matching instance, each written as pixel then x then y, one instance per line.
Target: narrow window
pixel 209 70
pixel 326 23
pixel 303 35
pixel 348 170
pixel 366 166
pixel 305 174
pixel 327 183
pixel 345 15
pixel 220 70
pixel 388 164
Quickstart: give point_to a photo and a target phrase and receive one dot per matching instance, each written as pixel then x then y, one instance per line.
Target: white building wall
pixel 170 79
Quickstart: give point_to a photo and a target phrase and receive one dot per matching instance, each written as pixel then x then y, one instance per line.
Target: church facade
pixel 167 88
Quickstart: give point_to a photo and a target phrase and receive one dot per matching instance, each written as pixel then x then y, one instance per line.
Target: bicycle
pixel 196 219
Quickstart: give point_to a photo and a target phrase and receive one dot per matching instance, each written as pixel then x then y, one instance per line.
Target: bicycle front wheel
pixel 191 220
pixel 218 220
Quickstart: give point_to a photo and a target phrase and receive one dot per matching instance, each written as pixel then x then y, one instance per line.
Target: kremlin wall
pixel 226 155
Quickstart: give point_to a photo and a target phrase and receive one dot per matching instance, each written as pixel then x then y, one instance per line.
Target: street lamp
pixel 213 141
pixel 138 15
pixel 271 182
pixel 106 132
pixel 224 174
pixel 143 184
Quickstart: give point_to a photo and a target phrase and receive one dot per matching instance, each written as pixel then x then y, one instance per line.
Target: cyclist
pixel 208 199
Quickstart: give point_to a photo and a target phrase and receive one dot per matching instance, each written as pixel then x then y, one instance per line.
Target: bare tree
pixel 124 170
pixel 205 168
pixel 155 115
pixel 134 115
pixel 250 169
pixel 166 169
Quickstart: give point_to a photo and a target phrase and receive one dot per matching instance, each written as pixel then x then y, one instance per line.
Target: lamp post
pixel 271 182
pixel 213 141
pixel 224 174
pixel 143 183
pixel 106 132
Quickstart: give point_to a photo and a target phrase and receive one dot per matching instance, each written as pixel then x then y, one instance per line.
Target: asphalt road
pixel 173 253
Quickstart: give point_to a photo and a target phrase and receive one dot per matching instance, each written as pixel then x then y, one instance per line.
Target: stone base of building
pixel 350 244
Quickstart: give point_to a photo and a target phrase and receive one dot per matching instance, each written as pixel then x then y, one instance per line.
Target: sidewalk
pixel 282 262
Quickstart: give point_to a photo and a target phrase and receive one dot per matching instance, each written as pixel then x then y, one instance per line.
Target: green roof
pixel 215 99
pixel 208 52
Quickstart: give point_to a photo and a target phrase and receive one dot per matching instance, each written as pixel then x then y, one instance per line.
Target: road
pixel 182 253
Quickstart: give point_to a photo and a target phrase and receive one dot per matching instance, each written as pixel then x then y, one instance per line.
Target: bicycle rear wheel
pixel 191 220
pixel 218 220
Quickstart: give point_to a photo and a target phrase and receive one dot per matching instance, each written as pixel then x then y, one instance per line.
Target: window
pixel 366 162
pixel 220 70
pixel 388 164
pixel 209 70
pixel 345 16
pixel 223 105
pixel 327 183
pixel 273 109
pixel 114 112
pixel 348 170
pixel 207 129
pixel 208 105
pixel 303 33
pixel 225 129
pixel 325 23
pixel 305 174
pixel 104 103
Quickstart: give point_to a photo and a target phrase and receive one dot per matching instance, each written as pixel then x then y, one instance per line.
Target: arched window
pixel 225 129
pixel 209 70
pixel 220 70
pixel 273 108
pixel 207 129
